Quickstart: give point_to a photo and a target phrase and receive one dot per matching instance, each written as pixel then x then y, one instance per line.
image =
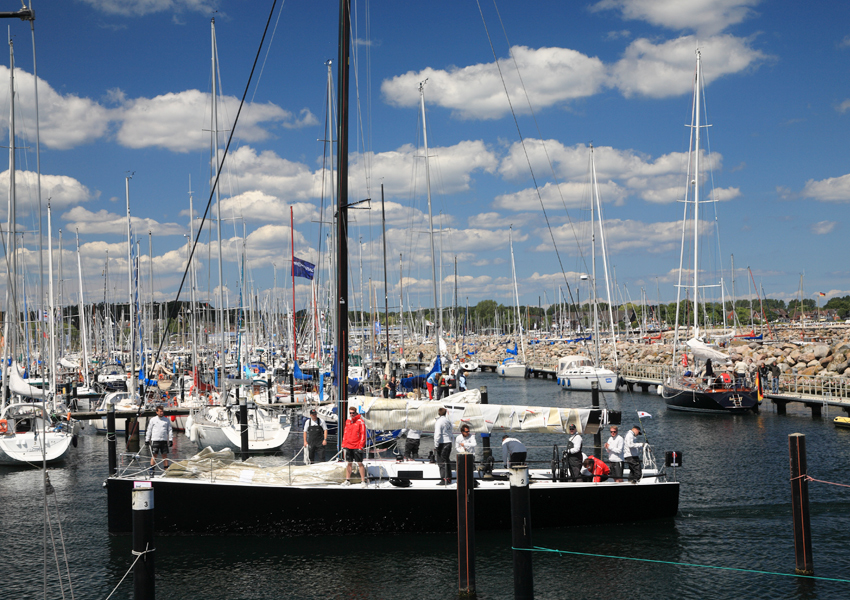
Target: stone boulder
pixel 821 350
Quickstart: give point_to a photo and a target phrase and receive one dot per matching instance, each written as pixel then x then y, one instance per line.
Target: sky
pixel 125 90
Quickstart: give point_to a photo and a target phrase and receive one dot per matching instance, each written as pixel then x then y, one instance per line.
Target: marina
pixel 270 439
pixel 732 500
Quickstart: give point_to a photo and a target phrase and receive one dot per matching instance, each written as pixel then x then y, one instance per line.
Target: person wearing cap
pixel 631 450
pixel 574 454
pixel 315 437
pixel 615 447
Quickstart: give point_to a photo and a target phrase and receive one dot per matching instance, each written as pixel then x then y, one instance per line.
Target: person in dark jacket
pixel 315 437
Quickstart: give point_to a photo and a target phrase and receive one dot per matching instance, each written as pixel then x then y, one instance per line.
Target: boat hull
pixel 512 370
pixel 192 506
pixel 25 449
pixel 714 401
pixel 605 379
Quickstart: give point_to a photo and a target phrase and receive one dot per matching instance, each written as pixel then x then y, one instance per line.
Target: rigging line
pixel 524 149
pixel 680 564
pixel 268 51
pixel 537 125
pixel 366 158
pixel 215 183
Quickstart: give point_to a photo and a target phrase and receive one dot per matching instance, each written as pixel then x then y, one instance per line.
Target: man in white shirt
pixel 443 445
pixel 631 450
pixel 465 440
pixel 574 454
pixel 615 447
pixel 160 437
pixel 411 445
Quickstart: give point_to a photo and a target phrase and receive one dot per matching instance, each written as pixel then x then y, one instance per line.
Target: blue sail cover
pixel 437 368
pixel 411 383
pixel 296 371
pixel 514 351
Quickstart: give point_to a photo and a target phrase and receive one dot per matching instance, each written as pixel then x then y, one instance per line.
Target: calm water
pixel 734 512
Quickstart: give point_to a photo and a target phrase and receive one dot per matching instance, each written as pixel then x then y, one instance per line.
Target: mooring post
pixel 243 423
pixel 485 437
pixel 182 388
pixel 800 505
pixel 143 549
pixel 597 437
pixel 465 525
pixel 521 533
pixel 111 442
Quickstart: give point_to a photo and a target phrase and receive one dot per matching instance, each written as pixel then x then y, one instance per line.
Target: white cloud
pixel 494 220
pixel 104 222
pixel 706 17
pixel 550 75
pixel 180 121
pixel 834 189
pixel 843 107
pixel 137 8
pixel 625 236
pixel 64 121
pixel 61 191
pixel 256 206
pixel 667 69
pixel 822 227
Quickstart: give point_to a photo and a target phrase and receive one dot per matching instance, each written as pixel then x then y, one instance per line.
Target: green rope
pixel 668 562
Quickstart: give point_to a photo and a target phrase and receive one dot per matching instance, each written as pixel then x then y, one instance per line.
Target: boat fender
pixel 193 433
pixel 400 482
pixel 74 441
pixel 660 390
pixel 4 426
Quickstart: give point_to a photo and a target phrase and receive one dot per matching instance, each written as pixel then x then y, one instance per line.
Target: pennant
pixel 642 414
pixel 301 268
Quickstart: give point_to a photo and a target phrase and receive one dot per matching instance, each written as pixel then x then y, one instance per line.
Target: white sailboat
pixel 577 372
pixel 512 366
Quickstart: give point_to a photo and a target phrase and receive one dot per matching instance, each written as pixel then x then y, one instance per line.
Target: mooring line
pixel 680 564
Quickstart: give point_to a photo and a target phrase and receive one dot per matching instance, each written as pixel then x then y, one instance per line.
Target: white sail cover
pixel 18 385
pixel 68 364
pixel 383 414
pixel 703 351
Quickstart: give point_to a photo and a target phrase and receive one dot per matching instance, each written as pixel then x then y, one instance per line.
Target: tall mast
pixel 214 128
pixel 51 304
pixel 81 315
pixel 386 292
pixel 696 196
pixel 342 211
pixel 437 309
pixel 131 387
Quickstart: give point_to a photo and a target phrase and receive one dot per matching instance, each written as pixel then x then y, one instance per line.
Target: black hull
pixel 194 507
pixel 716 401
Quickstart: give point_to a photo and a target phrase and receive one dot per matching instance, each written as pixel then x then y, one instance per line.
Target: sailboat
pixel 29 435
pixel 578 372
pixel 396 496
pixel 512 366
pixel 691 388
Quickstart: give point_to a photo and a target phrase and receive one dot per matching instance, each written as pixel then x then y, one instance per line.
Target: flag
pixel 301 268
pixel 642 414
pixel 821 294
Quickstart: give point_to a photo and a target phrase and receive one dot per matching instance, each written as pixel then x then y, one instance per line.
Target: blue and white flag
pixel 301 268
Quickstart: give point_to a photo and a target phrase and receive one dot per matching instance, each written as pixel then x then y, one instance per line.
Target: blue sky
pixel 125 87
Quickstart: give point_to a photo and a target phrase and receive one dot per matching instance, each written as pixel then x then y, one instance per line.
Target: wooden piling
pixel 521 533
pixel 800 505
pixel 143 570
pixel 466 525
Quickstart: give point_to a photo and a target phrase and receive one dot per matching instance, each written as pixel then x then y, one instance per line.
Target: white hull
pixel 512 370
pixel 213 429
pixel 25 448
pixel 582 378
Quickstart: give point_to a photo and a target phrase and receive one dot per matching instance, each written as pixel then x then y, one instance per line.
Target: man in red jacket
pixel 353 444
pixel 597 468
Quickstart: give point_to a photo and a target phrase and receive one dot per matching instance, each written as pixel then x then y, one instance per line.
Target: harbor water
pixel 734 513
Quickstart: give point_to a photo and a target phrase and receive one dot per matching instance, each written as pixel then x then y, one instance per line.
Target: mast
pixel 51 305
pixel 131 387
pixel 82 316
pixel 437 307
pixel 386 292
pixel 516 291
pixel 214 128
pixel 696 195
pixel 401 301
pixel 342 212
